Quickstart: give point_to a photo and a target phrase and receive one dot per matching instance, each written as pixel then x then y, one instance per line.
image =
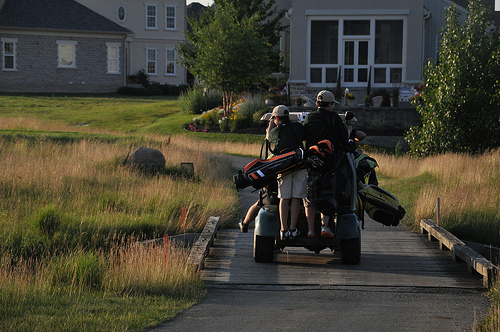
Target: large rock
pixel 147 159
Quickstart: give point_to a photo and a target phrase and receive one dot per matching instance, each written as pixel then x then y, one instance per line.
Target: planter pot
pixel 377 101
pixel 349 102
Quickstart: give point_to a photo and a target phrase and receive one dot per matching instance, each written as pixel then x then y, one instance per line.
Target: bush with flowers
pixel 224 123
pixel 245 113
pixel 237 121
pixel 211 118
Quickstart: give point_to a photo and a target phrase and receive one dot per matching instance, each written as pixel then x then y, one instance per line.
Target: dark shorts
pixel 313 185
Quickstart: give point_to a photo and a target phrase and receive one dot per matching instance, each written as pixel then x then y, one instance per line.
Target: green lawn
pixel 131 115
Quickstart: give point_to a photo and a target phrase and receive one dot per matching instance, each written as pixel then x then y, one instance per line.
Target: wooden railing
pixel 201 247
pixel 460 251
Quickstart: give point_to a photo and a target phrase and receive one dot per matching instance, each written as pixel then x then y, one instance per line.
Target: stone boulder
pixel 147 159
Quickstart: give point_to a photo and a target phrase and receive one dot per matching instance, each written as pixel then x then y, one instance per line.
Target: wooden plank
pixel 461 252
pixel 390 257
pixel 202 246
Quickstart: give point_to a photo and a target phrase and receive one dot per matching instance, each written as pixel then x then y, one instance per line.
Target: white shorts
pixel 293 185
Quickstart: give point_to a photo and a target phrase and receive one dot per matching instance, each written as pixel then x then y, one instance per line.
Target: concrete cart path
pixel 403 283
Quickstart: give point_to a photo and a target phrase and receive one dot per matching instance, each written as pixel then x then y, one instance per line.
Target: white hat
pixel 325 96
pixel 280 111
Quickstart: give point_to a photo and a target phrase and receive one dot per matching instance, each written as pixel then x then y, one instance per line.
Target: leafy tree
pixel 225 52
pixel 460 104
pixel 268 23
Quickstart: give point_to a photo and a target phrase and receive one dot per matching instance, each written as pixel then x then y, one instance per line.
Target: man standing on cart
pixel 288 136
pixel 323 124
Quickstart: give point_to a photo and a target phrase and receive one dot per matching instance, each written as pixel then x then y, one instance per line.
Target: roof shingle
pixel 54 15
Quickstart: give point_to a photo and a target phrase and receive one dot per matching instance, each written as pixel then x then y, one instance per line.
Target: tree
pixel 460 104
pixel 269 26
pixel 225 52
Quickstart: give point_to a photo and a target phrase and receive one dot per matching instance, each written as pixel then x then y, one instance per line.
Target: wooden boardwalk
pixel 390 257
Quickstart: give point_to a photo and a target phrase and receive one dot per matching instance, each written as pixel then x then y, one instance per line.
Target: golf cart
pixel 346 226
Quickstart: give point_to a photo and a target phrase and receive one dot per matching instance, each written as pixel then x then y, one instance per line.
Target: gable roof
pixel 54 15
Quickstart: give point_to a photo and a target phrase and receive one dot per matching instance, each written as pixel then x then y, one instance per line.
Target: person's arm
pixel 269 127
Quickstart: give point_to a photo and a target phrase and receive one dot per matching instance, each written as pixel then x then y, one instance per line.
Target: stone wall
pixel 385 126
pixel 37 66
pixel 385 121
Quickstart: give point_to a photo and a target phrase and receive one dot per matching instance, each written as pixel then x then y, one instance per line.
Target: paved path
pixel 403 283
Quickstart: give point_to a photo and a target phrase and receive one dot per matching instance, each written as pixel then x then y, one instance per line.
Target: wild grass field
pixel 71 212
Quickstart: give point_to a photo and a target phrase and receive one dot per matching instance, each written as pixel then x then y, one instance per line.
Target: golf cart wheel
pixel 263 249
pixel 350 250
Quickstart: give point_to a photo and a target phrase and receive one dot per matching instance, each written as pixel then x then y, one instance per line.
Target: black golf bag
pixel 259 172
pixel 381 206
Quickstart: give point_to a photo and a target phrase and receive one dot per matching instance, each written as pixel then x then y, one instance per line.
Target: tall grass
pixel 129 288
pixel 70 215
pixel 466 185
pixel 94 195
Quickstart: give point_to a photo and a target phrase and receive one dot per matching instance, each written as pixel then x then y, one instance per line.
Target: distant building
pixel 59 46
pixel 381 43
pixel 157 27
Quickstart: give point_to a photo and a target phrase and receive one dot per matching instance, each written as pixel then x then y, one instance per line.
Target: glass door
pixel 355 68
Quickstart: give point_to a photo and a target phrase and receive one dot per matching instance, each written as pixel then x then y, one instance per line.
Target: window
pixel 66 54
pixel 151 61
pixel 388 51
pixel 150 16
pixel 360 28
pixel 347 49
pixel 113 58
pixel 389 42
pixel 170 19
pixel 121 13
pixel 9 53
pixel 324 42
pixel 170 62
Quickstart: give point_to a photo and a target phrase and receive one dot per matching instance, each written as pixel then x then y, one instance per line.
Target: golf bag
pixel 381 206
pixel 259 172
pixel 365 169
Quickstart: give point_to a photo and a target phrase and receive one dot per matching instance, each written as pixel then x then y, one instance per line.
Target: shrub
pixel 238 121
pixel 210 118
pixel 224 124
pixel 193 101
pixel 133 91
pixel 254 105
pixel 278 99
pixel 143 78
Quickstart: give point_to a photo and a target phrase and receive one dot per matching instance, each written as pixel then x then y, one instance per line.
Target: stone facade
pixel 384 121
pixel 37 65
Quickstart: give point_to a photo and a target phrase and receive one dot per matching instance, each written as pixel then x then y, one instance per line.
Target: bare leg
pixel 324 220
pixel 310 215
pixel 284 213
pixel 252 213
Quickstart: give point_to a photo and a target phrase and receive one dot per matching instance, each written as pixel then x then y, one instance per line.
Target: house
pixel 359 43
pixel 157 26
pixel 59 46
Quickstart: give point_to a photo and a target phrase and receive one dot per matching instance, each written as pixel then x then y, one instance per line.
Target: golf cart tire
pixel 263 249
pixel 350 251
